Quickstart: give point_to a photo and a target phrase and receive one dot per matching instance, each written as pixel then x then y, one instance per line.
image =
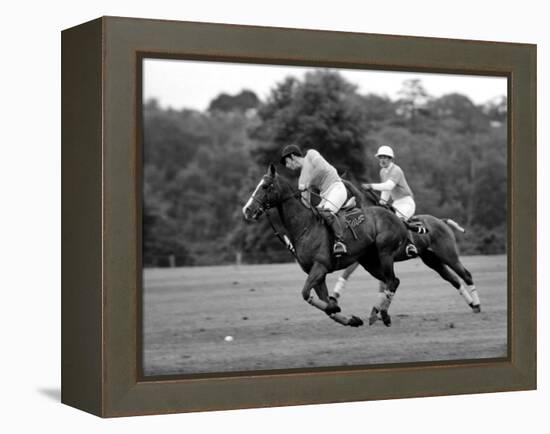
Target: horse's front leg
pixel 329 305
pixel 315 280
pixel 322 292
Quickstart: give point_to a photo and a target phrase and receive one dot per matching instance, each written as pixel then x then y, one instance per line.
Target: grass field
pixel 187 312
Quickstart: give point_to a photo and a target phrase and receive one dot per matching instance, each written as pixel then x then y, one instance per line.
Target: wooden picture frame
pixel 101 227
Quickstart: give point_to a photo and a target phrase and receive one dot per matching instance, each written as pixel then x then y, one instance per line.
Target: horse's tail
pixel 454 225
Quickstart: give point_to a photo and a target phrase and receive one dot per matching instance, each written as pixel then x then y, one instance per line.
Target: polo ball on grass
pixel 228 339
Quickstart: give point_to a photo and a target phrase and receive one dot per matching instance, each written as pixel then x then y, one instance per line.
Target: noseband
pixel 267 206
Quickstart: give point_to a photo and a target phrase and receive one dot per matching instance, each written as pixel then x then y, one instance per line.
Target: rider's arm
pixel 305 177
pixel 385 196
pixel 308 167
pixel 312 163
pixel 385 186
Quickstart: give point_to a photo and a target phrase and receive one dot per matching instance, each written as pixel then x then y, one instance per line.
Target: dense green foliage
pixel 201 167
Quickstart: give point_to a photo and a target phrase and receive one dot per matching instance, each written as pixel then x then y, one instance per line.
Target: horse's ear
pixel 271 170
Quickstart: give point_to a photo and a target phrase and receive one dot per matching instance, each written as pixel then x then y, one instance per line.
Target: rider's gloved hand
pixel 366 186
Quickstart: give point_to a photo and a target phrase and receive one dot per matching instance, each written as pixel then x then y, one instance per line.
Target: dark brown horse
pixel 381 238
pixel 378 242
pixel 437 248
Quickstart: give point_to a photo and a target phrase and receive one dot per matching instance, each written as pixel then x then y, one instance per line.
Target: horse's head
pixel 266 195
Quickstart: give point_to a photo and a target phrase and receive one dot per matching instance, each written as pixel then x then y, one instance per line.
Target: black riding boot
pixel 339 248
pixel 411 250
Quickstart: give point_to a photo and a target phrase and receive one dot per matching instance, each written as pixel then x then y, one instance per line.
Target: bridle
pixel 267 206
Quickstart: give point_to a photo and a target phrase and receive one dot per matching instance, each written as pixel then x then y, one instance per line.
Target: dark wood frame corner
pixel 101 217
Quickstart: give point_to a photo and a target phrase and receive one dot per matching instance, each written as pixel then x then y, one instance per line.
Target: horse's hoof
pixel 355 321
pixel 476 309
pixel 332 307
pixel 386 319
pixel 373 316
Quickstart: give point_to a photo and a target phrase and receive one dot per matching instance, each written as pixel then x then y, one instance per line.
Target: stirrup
pixel 339 249
pixel 411 251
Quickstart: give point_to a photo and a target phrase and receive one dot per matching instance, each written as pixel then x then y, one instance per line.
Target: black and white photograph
pixel 150 148
pixel 296 218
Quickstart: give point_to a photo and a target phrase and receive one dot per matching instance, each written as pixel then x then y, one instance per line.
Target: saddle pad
pixel 354 217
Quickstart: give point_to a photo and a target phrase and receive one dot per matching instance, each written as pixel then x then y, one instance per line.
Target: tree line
pixel 200 167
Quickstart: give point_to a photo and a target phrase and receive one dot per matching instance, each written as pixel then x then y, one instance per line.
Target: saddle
pixel 351 216
pixel 415 225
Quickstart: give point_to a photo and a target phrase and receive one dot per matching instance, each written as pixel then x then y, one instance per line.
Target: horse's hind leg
pixel 460 269
pixel 465 275
pixel 391 282
pixel 343 279
pixel 449 256
pixel 381 268
pixel 431 260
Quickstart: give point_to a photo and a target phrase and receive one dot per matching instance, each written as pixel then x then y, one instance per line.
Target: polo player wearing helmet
pixel 394 185
pixel 315 171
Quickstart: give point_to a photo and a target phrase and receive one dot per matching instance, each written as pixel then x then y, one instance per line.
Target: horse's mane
pixel 285 181
pixel 289 183
pixel 354 191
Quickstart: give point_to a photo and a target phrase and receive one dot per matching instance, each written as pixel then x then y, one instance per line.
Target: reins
pixel 385 203
pixel 410 223
pixel 316 212
pixel 283 238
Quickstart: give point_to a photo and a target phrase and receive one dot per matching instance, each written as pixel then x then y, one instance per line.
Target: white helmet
pixel 384 151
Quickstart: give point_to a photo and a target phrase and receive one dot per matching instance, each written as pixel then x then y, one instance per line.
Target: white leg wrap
pixel 475 296
pixel 465 295
pixel 339 287
pixel 384 300
pixel 319 304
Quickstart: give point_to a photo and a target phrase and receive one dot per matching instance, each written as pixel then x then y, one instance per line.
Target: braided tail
pixel 454 225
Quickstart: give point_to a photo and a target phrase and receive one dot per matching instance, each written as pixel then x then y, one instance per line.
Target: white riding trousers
pixel 405 206
pixel 334 197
